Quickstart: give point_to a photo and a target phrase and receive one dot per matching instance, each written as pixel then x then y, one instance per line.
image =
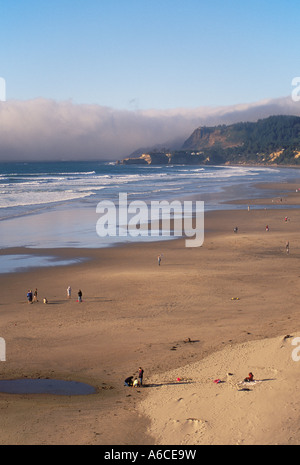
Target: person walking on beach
pixel 159 260
pixel 140 376
pixel 35 295
pixel 29 297
pixel 79 296
pixel 69 292
pixel 287 247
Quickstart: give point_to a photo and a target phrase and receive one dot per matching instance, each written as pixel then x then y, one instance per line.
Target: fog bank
pixel 43 129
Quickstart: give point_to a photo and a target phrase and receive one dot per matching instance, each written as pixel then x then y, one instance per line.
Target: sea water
pixel 51 205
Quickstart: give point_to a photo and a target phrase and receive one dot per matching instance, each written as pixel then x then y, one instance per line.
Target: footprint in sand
pixel 193 426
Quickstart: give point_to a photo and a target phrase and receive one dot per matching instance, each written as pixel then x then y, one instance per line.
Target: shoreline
pixel 63 224
pixel 135 313
pixel 284 199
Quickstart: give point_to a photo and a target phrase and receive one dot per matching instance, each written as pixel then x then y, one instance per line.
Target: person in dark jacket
pixel 29 296
pixel 128 381
pixel 140 376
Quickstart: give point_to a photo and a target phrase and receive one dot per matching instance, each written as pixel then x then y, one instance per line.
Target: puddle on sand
pixel 23 262
pixel 45 386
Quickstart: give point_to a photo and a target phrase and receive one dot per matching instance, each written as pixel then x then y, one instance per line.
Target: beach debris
pixel 235 298
pixel 196 420
pixel 217 381
pixel 107 388
pixel 189 340
pixel 184 380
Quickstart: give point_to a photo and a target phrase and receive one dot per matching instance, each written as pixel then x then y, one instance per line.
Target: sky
pixel 106 63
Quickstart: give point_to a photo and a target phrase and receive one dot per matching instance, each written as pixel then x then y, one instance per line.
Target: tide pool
pixel 22 262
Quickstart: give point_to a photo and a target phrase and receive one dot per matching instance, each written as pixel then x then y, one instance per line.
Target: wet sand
pixel 135 313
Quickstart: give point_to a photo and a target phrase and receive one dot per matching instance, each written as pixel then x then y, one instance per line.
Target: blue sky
pixel 136 54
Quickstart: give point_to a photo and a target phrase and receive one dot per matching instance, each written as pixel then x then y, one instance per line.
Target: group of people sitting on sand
pixel 137 381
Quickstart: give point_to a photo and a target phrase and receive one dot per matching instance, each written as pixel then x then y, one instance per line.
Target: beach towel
pixel 248 383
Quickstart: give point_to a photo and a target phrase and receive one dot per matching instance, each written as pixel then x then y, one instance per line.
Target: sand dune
pixel 199 410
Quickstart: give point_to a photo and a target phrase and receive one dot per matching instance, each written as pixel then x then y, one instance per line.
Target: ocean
pixel 51 205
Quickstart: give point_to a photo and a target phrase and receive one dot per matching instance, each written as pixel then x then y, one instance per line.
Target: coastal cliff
pixel 274 140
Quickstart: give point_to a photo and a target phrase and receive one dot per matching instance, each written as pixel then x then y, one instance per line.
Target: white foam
pixel 9 200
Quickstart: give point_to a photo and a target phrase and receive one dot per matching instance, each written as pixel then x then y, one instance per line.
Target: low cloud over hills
pixel 44 129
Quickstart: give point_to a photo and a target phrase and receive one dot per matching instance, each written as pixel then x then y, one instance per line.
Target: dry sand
pixel 210 403
pixel 135 313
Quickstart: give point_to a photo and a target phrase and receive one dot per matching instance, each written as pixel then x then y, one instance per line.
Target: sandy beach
pixel 222 308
